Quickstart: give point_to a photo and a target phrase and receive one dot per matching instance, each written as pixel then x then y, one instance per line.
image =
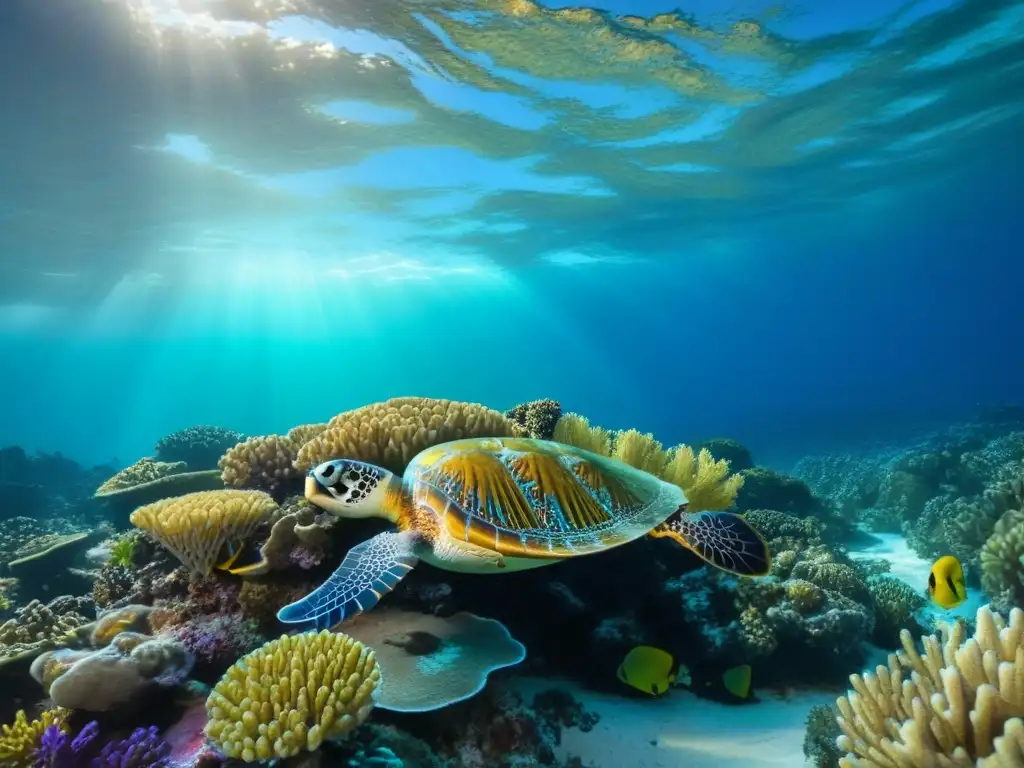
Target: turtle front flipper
pixel 369 571
pixel 724 539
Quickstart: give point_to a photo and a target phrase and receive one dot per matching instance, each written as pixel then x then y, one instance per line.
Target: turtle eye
pixel 327 471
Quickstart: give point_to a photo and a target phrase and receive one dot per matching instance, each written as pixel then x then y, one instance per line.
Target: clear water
pixel 793 223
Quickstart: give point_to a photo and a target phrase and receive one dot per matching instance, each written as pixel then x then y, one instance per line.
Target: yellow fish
pixel 650 670
pixel 239 559
pixel 946 582
pixel 654 671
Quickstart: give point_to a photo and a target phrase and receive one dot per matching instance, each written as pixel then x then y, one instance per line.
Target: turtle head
pixel 349 488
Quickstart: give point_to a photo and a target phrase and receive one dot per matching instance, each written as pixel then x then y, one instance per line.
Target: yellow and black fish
pixel 649 670
pixel 653 671
pixel 240 559
pixel 946 582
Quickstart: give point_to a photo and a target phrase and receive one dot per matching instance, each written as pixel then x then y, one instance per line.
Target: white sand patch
pixel 683 731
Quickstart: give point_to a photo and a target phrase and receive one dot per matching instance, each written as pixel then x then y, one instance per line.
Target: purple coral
pixel 143 749
pixel 305 558
pixel 219 640
pixel 57 750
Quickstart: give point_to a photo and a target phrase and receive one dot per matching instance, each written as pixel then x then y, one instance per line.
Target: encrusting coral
pixel 391 433
pixel 195 527
pixel 958 705
pixel 291 695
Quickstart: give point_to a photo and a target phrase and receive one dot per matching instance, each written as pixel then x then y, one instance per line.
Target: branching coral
pixel 195 527
pixel 959 704
pixel 707 482
pixel 391 433
pixel 641 451
pixel 536 418
pixel 19 741
pixel 290 695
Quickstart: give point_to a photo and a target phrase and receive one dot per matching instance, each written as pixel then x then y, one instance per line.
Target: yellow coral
pixel 290 695
pixel 391 433
pixel 805 596
pixel 641 451
pixel 195 527
pixel 264 462
pixel 573 429
pixel 707 482
pixel 958 705
pixel 20 740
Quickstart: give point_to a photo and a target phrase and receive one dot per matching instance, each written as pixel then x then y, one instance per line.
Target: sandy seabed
pixel 683 731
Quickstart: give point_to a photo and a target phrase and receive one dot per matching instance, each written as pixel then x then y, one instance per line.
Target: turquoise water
pixel 792 224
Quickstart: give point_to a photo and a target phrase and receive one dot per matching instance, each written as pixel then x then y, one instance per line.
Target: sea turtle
pixel 495 505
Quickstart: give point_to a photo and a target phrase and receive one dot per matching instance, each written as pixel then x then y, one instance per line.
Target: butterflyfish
pixel 649 670
pixel 946 582
pixel 241 560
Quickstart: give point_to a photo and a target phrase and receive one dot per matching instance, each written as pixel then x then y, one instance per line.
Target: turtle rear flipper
pixel 724 539
pixel 369 571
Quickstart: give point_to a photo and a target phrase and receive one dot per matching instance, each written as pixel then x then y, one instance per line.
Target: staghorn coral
pixel 198 447
pixel 959 704
pixel 428 662
pixel 195 527
pixel 537 418
pixel 391 433
pixel 291 695
pixel 19 740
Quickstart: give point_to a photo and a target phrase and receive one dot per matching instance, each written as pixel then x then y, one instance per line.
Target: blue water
pixel 836 254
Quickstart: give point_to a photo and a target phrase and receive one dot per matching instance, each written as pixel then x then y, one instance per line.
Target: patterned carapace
pixel 518 498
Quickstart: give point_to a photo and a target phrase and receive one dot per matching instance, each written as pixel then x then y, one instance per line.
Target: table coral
pixel 291 695
pixel 195 527
pixel 145 470
pixel 958 704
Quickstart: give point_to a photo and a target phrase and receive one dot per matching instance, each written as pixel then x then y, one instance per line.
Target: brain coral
pixel 195 527
pixel 391 433
pixel 290 695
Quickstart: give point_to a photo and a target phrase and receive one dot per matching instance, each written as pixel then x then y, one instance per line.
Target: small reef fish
pixel 653 671
pixel 946 582
pixel 649 670
pixel 238 559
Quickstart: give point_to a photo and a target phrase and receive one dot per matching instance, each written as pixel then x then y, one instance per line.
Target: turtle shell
pixel 535 498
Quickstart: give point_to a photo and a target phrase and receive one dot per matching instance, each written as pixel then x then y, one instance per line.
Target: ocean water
pixel 795 225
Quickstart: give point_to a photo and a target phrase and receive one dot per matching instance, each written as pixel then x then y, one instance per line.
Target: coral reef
pixel 767 489
pixel 391 433
pixel 144 471
pixel 428 662
pixel 820 746
pixel 1002 560
pixel 291 695
pixel 265 463
pixel 961 701
pixel 197 447
pixel 195 527
pixel 20 740
pixel 36 627
pixel 537 418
